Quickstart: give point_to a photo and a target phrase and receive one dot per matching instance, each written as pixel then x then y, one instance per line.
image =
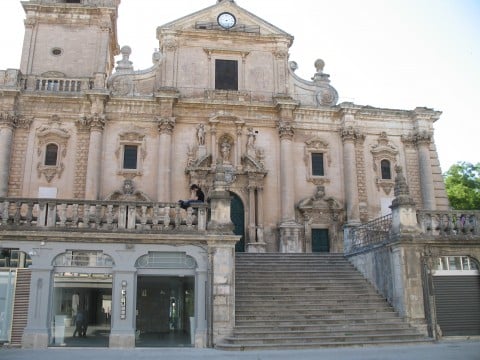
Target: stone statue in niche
pixel 225 149
pixel 201 134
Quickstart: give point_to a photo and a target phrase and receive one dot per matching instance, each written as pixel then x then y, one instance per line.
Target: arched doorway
pixel 237 215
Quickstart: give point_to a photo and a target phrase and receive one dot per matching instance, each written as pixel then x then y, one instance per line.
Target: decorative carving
pixel 170 44
pixel 51 134
pixel 92 122
pixel 349 133
pixel 128 193
pixel 122 86
pixel 401 192
pixel 165 125
pixel 280 54
pixel 285 130
pixel 418 137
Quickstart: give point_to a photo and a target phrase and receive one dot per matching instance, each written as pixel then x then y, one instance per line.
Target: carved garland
pixel 384 151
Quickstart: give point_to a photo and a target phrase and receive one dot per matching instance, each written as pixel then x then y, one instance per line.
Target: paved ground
pixel 445 350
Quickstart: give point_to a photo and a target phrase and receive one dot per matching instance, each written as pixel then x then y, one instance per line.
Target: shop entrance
pixel 165 311
pixel 82 306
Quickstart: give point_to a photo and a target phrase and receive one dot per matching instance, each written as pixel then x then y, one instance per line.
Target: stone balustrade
pixel 455 222
pixel 431 223
pixel 116 216
pixel 56 84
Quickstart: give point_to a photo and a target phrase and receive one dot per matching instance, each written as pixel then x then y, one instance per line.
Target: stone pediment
pixel 206 19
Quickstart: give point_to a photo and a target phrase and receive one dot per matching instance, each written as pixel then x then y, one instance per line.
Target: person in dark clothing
pixel 80 324
pixel 196 196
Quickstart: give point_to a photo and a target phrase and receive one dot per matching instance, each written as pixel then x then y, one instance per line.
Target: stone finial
pixel 401 190
pixel 320 76
pixel 125 64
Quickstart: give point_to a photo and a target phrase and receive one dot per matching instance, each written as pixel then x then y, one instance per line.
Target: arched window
pixel 386 170
pixel 51 155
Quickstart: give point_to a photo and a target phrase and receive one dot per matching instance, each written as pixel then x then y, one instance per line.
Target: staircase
pixel 299 301
pixel 20 306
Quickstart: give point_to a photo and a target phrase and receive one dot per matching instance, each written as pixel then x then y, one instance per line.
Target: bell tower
pixel 77 38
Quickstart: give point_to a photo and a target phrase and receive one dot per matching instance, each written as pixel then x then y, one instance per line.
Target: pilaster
pixel 165 128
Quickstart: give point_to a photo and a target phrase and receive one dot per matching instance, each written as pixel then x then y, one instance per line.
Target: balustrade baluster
pixel 29 216
pixel 132 211
pixel 75 215
pixel 109 216
pixel 122 216
pixel 189 219
pixel 62 214
pixel 178 218
pixel 6 205
pixel 155 216
pixel 86 215
pixel 166 218
pixel 17 216
pixel 143 219
pixel 98 216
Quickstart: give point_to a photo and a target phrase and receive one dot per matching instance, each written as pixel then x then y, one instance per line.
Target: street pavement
pixel 444 350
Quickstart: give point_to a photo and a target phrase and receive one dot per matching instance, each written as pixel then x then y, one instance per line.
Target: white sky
pixel 396 54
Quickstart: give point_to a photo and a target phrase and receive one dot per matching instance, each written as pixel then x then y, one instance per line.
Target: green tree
pixel 462 181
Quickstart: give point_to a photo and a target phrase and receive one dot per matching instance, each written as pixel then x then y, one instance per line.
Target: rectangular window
pixel 317 164
pixel 226 74
pixel 320 240
pixel 130 156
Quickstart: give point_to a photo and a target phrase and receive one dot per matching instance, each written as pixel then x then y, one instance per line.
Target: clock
pixel 226 20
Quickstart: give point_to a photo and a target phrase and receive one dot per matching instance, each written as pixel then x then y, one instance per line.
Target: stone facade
pixel 264 136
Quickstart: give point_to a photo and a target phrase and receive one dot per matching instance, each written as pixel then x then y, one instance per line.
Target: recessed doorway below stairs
pixel 165 311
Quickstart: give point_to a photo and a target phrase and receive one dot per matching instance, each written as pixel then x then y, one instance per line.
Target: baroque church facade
pixel 95 155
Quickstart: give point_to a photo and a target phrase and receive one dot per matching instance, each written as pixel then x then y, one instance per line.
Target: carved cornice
pixel 165 125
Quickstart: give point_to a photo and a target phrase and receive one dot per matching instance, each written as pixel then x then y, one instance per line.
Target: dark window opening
pixel 317 164
pixel 130 156
pixel 226 74
pixel 73 1
pixel 51 154
pixel 386 171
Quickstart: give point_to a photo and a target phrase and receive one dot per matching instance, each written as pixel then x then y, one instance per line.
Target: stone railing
pixel 59 214
pixel 454 222
pixel 56 84
pixel 371 233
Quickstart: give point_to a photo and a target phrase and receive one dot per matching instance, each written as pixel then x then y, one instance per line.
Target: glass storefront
pixel 165 311
pixel 82 305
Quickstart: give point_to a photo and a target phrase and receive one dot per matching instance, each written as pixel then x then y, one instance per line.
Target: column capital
pixel 349 133
pixel 165 125
pixel 92 122
pixel 285 130
pixel 422 137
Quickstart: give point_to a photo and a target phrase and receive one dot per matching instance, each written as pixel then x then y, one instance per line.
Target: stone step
pixel 312 316
pixel 318 344
pixel 316 327
pixel 309 301
pixel 295 308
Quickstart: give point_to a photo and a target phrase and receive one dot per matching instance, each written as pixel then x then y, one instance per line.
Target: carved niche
pixel 387 153
pixel 52 145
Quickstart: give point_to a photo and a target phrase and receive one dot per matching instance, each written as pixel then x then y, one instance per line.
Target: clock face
pixel 226 20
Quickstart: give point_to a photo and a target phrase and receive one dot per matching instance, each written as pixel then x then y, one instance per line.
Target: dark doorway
pixel 320 241
pixel 237 215
pixel 165 306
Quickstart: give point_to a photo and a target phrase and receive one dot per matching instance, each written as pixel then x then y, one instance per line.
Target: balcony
pixel 100 216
